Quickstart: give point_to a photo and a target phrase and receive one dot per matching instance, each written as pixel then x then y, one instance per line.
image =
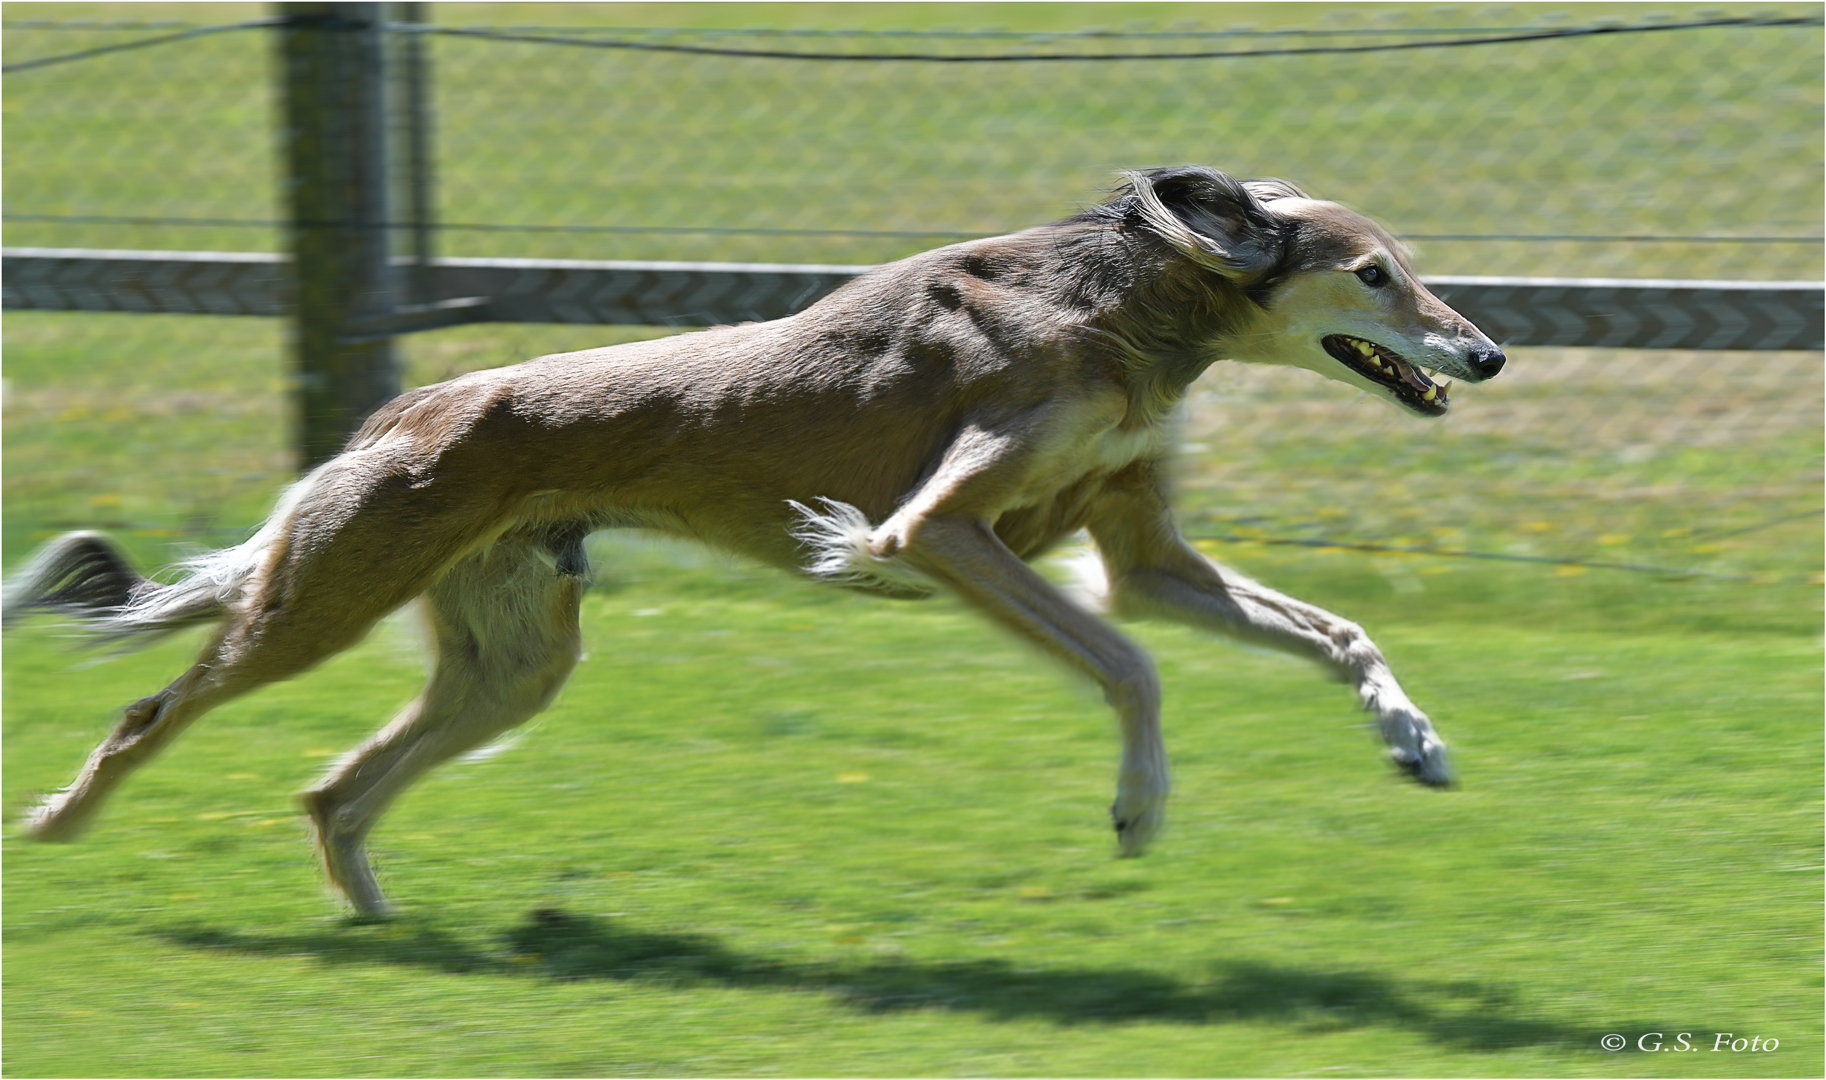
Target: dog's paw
pixel 1138 812
pixel 52 822
pixel 1415 748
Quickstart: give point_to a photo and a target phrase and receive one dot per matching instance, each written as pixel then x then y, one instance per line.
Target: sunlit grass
pixel 771 828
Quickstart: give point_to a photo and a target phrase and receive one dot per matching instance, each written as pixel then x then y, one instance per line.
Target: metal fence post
pixel 335 155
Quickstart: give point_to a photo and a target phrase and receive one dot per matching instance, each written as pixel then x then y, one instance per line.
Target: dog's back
pixel 716 433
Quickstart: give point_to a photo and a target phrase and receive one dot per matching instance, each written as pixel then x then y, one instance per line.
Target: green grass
pixel 791 831
pixel 778 829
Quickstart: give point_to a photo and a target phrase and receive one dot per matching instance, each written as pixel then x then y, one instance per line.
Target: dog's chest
pixel 1090 457
pixel 1060 504
pixel 1116 449
pixel 1058 497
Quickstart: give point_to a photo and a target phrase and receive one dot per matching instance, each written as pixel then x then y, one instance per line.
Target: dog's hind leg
pixel 249 651
pixel 286 624
pixel 504 626
pixel 1152 572
pixel 148 724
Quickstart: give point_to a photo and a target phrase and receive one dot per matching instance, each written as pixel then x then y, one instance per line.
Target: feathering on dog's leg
pixel 147 725
pixel 1155 573
pixel 837 538
pixel 1414 747
pixel 505 627
pixel 1242 608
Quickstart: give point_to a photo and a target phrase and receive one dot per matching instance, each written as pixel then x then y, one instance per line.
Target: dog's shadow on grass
pixel 559 945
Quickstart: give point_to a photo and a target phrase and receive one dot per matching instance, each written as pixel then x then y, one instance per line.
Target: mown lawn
pixel 771 828
pixel 774 829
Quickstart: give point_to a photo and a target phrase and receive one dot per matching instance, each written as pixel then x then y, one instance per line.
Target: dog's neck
pixel 1163 318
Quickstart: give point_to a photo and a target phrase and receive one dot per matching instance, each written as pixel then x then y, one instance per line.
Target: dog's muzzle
pixel 1386 368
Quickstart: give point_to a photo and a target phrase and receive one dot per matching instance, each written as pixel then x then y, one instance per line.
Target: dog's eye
pixel 1373 276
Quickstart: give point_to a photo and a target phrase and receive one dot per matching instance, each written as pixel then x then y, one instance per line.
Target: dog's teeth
pixel 1445 388
pixel 1365 348
pixel 1432 392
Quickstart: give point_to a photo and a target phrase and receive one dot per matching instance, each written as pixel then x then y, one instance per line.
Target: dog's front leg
pixel 1153 572
pixel 1220 599
pixel 941 536
pixel 967 557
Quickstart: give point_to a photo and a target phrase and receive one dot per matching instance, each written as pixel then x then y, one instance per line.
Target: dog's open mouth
pixel 1384 367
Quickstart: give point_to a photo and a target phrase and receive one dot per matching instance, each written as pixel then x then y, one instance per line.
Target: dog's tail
pixel 85 576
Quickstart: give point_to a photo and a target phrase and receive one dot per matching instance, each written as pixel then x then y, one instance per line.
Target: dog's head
pixel 1334 292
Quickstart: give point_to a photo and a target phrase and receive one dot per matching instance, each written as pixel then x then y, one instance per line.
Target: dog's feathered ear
pixel 1217 220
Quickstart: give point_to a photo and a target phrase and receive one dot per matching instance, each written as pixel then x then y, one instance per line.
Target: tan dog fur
pixel 932 425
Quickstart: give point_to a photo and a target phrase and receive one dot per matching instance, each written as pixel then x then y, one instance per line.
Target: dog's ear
pixel 1217 220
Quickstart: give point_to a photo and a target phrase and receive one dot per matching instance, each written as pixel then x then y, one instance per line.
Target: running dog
pixel 933 425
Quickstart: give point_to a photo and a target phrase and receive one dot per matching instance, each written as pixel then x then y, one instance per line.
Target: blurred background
pixel 771 828
pixel 1636 146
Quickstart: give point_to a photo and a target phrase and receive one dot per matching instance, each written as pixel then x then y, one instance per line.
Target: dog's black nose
pixel 1487 362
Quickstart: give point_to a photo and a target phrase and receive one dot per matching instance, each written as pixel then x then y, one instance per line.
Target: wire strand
pixel 65 58
pixel 1216 54
pixel 571 39
pixel 932 234
pixel 1462 553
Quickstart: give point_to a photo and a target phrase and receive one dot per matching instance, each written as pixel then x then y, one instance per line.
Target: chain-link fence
pixel 1496 141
